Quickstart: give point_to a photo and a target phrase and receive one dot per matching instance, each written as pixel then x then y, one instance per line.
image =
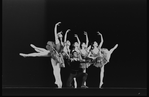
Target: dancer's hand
pixel 58 23
pixel 33 46
pixel 85 33
pixel 67 30
pixel 76 35
pixel 99 33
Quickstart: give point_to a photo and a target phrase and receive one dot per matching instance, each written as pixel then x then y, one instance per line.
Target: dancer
pixel 76 70
pixel 84 53
pixel 66 44
pixel 54 51
pixel 101 57
pixel 76 44
pixel 76 49
pixel 57 65
pixel 105 58
pixel 77 55
pixel 40 52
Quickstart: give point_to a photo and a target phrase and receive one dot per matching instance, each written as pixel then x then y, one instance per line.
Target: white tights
pixel 56 72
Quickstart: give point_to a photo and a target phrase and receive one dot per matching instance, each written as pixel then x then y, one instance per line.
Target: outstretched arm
pixel 55 33
pixel 65 37
pixel 85 33
pixel 101 43
pixel 78 39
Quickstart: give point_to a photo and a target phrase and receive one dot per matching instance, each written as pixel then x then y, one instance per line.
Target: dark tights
pixel 76 74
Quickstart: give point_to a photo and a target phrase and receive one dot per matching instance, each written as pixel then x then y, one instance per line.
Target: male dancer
pixel 76 70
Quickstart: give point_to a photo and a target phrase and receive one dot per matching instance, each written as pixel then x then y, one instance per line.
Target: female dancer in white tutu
pixel 101 57
pixel 105 58
pixel 54 50
pixel 66 44
pixel 84 51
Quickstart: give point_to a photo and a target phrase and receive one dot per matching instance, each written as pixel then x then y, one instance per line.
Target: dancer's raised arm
pixel 55 33
pixel 101 43
pixel 61 37
pixel 65 37
pixel 78 39
pixel 87 41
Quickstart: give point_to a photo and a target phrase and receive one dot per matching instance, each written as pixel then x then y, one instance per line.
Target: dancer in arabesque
pixel 101 57
pixel 54 51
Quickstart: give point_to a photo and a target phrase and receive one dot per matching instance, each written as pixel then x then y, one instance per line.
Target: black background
pixel 121 22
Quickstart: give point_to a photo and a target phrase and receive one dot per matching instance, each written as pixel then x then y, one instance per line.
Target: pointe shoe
pixel 59 87
pixel 101 85
pixel 32 46
pixel 23 55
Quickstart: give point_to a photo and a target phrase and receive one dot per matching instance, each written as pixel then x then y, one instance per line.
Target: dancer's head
pixel 83 45
pixel 50 45
pixel 76 44
pixel 60 34
pixel 68 43
pixel 95 44
pixel 75 54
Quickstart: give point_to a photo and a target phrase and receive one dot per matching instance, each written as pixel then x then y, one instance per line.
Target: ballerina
pixel 57 65
pixel 84 51
pixel 54 50
pixel 101 57
pixel 77 45
pixel 66 44
pixel 105 58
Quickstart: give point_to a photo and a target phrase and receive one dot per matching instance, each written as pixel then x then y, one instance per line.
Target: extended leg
pixel 39 54
pixel 37 48
pixel 29 55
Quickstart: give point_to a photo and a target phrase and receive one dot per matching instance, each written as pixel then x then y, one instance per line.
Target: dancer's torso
pixel 55 52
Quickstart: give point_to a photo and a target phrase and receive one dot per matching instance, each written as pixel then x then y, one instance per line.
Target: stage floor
pixel 49 91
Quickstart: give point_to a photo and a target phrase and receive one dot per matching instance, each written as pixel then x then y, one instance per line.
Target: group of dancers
pixel 81 57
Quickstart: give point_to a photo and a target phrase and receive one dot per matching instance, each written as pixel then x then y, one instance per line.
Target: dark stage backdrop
pixel 26 22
